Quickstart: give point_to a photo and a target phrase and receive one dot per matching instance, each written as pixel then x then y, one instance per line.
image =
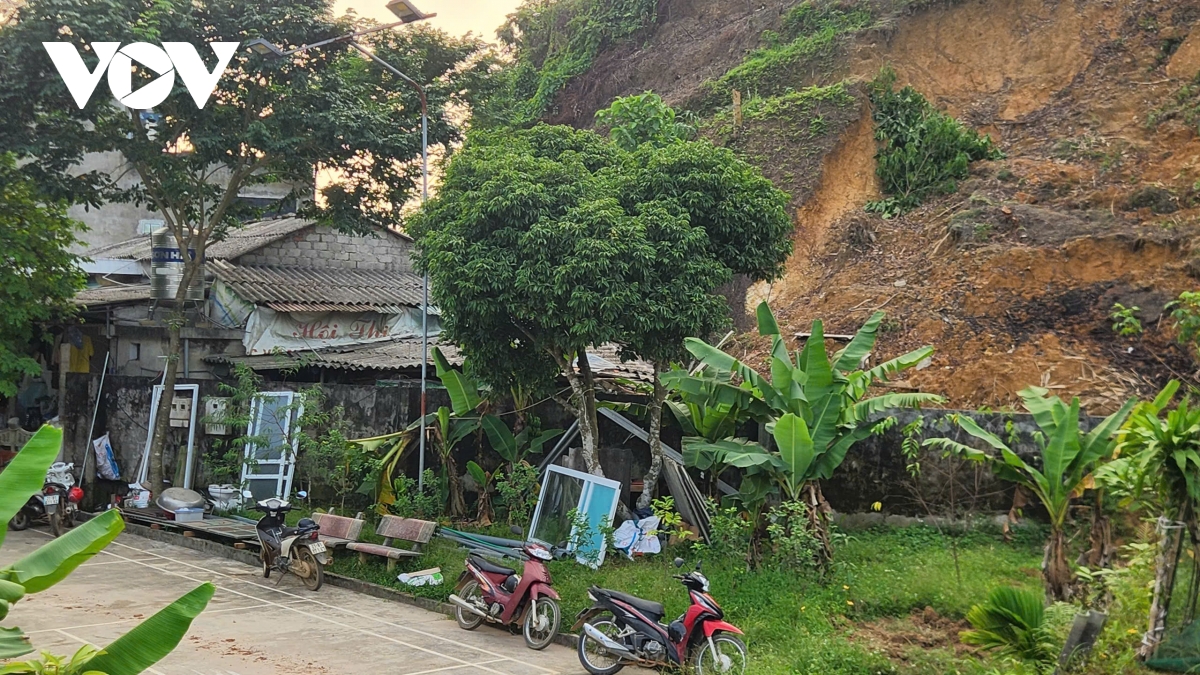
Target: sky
pixel 453 16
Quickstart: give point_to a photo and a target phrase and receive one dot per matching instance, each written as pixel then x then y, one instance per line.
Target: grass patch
pixel 1184 105
pixel 796 623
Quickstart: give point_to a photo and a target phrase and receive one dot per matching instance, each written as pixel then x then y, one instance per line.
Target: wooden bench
pixel 394 528
pixel 338 531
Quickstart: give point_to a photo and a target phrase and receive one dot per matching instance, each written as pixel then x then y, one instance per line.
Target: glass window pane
pixel 597 509
pixel 562 494
pixel 271 425
pixel 264 488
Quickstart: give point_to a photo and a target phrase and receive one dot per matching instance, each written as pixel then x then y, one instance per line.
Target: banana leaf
pixel 797 450
pixel 501 437
pixel 463 390
pixel 154 638
pixel 26 473
pixel 52 562
pixel 850 358
pixel 13 643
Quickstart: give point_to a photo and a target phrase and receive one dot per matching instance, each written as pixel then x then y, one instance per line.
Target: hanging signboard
pixel 268 331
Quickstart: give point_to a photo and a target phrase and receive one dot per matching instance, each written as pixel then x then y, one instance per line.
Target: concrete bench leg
pixel 362 558
pixel 391 564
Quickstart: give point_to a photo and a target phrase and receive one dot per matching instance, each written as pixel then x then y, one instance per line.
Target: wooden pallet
pixel 217 526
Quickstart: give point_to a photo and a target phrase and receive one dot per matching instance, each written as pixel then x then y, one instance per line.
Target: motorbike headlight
pixel 539 552
pixel 591 597
pixel 703 580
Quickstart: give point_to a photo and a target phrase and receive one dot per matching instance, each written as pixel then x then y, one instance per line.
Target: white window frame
pixel 287 460
pixel 590 482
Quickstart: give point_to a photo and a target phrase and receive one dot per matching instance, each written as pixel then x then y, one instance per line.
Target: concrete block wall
pixel 323 247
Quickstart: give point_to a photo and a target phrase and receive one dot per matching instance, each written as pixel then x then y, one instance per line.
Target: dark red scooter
pixel 621 629
pixel 490 592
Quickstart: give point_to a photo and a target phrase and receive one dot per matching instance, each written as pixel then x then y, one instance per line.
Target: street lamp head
pixel 263 48
pixel 407 12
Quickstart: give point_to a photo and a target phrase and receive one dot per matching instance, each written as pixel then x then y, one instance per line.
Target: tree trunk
pixel 1101 551
pixel 1056 571
pixel 757 536
pixel 818 520
pixel 583 386
pixel 458 504
pixel 162 419
pixel 485 516
pixel 1164 581
pixel 650 480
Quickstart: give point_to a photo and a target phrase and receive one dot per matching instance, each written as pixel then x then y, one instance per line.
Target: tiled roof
pixel 605 361
pixel 111 295
pixel 237 243
pixel 395 354
pixel 298 289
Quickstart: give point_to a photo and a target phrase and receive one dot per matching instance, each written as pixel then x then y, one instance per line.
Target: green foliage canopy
pixel 39 274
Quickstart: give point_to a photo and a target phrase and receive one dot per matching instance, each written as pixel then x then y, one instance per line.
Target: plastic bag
pixel 106 461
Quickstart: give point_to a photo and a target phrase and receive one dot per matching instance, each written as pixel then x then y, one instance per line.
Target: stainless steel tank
pixel 166 268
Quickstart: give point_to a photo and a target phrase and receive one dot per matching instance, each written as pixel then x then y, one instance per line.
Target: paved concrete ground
pixel 255 627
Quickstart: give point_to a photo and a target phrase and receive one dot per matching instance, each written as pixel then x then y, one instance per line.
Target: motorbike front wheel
pixel 592 655
pixel 726 655
pixel 472 595
pixel 541 623
pixel 311 572
pixel 20 521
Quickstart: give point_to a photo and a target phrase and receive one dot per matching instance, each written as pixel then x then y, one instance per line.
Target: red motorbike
pixel 621 630
pixel 497 594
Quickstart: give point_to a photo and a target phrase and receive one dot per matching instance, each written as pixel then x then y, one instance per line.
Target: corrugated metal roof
pixel 111 295
pixel 396 354
pixel 308 288
pixel 237 243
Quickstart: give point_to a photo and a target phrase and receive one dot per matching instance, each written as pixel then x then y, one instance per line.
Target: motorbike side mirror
pixel 698 565
pixel 516 529
pixel 301 495
pixel 679 562
pixel 246 494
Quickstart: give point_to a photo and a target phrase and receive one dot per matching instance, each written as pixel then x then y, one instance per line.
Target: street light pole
pixel 407 13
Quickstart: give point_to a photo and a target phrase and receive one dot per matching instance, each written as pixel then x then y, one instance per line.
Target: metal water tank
pixel 166 268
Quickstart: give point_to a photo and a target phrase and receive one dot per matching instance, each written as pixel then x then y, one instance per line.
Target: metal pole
pixel 92 427
pixel 424 291
pixel 425 280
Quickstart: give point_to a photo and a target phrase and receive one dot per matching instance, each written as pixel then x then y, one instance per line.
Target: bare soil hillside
pixel 1095 105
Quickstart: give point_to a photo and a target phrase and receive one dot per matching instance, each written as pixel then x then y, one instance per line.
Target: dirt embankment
pixel 1011 278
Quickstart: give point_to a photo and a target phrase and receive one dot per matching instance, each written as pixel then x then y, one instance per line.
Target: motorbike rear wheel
pixel 58 521
pixel 20 521
pixel 312 573
pixel 730 657
pixel 592 656
pixel 473 596
pixel 542 625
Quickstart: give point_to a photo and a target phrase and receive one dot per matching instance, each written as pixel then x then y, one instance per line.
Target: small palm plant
pixel 1012 624
pixel 1068 458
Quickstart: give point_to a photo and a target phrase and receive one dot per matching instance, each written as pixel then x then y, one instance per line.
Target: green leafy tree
pixel 132 653
pixel 39 275
pixel 267 121
pixel 819 408
pixel 1068 460
pixel 545 242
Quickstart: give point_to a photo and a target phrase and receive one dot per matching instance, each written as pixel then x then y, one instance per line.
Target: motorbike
pixel 621 629
pixel 56 503
pixel 497 594
pixel 290 549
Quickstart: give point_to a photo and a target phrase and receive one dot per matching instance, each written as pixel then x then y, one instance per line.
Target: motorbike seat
pixel 490 568
pixel 654 610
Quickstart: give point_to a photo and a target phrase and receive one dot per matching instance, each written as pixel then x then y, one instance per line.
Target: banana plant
pixel 1068 460
pixel 709 409
pixel 817 407
pixel 485 480
pixel 514 448
pixel 134 652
